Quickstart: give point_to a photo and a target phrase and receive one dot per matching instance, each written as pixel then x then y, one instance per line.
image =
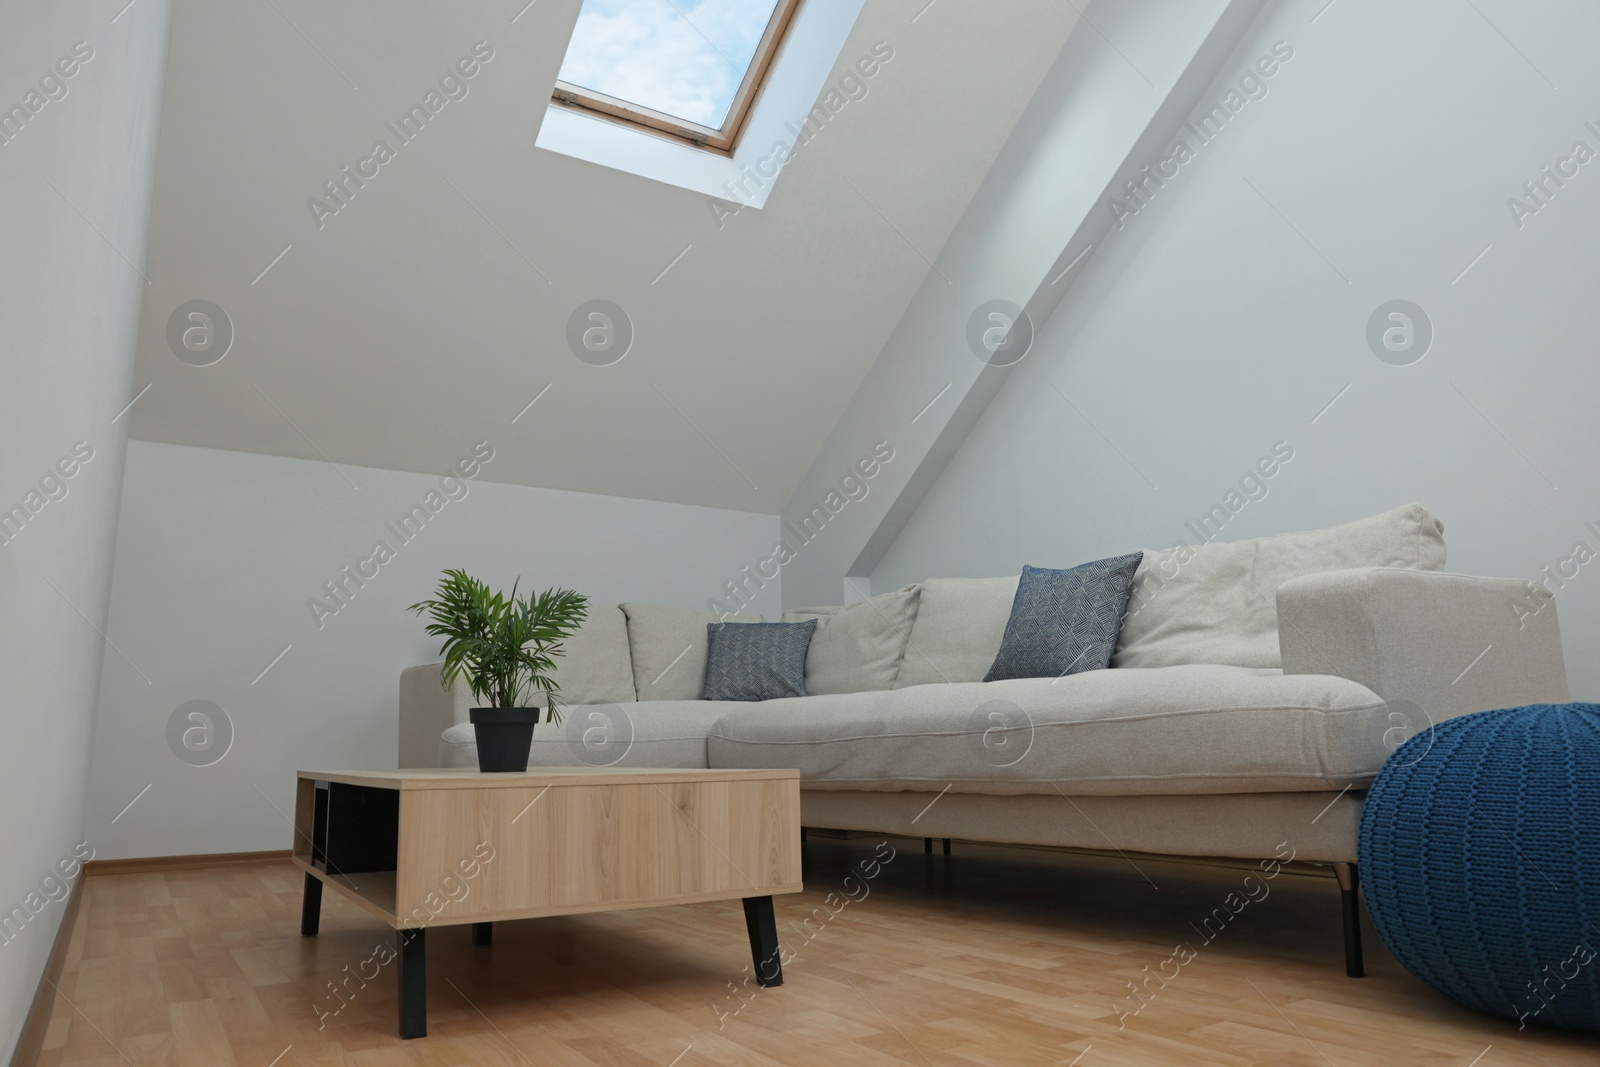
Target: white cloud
pixel 682 57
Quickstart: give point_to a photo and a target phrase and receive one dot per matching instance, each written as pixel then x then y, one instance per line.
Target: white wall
pixel 217 555
pixel 1015 241
pixel 69 302
pixel 1213 326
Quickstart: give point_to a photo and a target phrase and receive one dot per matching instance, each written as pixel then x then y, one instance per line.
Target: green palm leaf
pixel 505 646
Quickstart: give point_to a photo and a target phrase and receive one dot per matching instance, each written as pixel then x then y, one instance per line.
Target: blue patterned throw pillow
pixel 1064 622
pixel 757 660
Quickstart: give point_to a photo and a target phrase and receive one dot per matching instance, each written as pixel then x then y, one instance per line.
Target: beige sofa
pixel 1257 689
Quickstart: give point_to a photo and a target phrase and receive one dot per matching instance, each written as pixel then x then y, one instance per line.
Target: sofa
pixel 1256 689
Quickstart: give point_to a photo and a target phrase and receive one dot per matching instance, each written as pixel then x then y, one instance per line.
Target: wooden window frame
pixel 721 141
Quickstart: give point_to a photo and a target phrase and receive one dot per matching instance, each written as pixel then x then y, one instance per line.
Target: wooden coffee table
pixel 429 848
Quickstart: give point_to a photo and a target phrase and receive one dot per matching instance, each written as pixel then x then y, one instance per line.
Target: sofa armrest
pixel 427 710
pixel 1449 643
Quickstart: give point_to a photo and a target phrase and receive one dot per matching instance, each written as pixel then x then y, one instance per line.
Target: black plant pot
pixel 505 736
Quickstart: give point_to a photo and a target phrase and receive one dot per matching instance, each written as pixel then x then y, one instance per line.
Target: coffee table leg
pixel 483 933
pixel 763 927
pixel 413 983
pixel 311 906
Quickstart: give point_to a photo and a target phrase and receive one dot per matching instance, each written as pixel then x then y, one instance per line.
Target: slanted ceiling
pixel 1112 102
pixel 432 307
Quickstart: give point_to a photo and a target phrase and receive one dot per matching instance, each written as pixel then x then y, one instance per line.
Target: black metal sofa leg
pixel 1350 902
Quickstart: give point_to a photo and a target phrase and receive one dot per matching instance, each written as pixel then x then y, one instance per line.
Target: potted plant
pixel 507 648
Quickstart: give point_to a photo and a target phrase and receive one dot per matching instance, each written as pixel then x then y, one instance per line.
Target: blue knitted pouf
pixel 1480 858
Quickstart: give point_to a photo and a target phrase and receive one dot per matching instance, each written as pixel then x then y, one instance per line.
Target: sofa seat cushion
pixel 1189 729
pixel 657 733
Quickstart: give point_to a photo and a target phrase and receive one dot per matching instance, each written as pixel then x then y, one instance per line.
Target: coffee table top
pixel 467 778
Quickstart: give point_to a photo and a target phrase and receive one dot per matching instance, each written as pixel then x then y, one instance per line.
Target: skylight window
pixel 689 69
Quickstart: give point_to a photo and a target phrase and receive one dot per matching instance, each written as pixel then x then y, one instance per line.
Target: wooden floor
pixel 995 957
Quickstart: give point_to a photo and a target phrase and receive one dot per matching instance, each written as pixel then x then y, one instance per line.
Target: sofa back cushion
pixel 595 666
pixel 858 647
pixel 668 649
pixel 957 631
pixel 1217 603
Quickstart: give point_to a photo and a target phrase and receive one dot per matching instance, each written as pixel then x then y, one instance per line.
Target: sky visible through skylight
pixel 684 58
